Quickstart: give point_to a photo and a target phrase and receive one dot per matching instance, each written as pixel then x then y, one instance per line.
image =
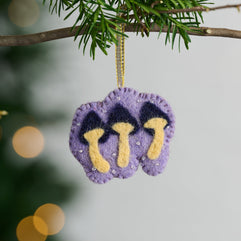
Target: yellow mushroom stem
pixel 123 129
pixel 96 158
pixel 157 124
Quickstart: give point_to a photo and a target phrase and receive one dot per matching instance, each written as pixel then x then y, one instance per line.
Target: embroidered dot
pixel 138 143
pixel 104 111
pixel 114 154
pixel 80 151
pixel 138 101
pixel 93 169
pixel 78 124
pixel 143 158
pixel 118 98
pixel 132 167
pixel 152 101
pixel 157 164
pixel 114 171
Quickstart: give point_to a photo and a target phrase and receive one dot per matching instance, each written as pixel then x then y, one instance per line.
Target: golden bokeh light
pixel 26 230
pixel 53 216
pixel 2 113
pixel 23 13
pixel 28 142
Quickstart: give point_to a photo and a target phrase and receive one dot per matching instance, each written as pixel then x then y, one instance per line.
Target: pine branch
pixel 194 9
pixel 98 21
pixel 30 39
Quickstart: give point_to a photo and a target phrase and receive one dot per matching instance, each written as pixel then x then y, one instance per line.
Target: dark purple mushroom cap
pixel 149 111
pixel 120 114
pixel 92 121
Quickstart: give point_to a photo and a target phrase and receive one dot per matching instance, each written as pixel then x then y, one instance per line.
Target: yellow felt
pixel 124 130
pixel 157 124
pixel 97 160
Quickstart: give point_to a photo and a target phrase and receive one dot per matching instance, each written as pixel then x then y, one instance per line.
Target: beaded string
pixel 120 58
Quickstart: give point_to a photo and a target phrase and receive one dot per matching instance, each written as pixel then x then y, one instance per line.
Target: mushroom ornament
pixel 113 137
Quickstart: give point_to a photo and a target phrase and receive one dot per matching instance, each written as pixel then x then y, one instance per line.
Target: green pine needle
pixel 99 19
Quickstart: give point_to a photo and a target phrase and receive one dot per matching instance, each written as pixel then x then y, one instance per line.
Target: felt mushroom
pixel 154 121
pixel 92 133
pixel 123 124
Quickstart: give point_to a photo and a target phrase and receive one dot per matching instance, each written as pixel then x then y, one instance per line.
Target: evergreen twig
pixel 99 20
pixel 30 39
pixel 100 26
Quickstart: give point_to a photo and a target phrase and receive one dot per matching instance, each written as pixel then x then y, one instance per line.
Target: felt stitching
pixel 157 124
pixel 132 101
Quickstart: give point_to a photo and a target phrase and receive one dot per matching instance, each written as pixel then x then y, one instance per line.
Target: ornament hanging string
pixel 120 58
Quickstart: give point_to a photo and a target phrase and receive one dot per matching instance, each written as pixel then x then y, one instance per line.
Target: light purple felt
pixel 139 142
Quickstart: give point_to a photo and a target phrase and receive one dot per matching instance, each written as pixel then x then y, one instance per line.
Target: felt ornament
pixel 112 138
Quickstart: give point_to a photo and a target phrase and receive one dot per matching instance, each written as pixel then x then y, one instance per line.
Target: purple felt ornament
pixel 111 138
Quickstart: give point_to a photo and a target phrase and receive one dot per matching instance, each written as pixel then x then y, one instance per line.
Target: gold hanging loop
pixel 120 58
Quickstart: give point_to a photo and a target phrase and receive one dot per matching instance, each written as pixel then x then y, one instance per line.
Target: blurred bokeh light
pixel 23 13
pixel 28 142
pixel 2 113
pixel 53 216
pixel 26 230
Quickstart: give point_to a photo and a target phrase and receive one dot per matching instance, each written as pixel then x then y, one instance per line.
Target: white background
pixel 198 197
